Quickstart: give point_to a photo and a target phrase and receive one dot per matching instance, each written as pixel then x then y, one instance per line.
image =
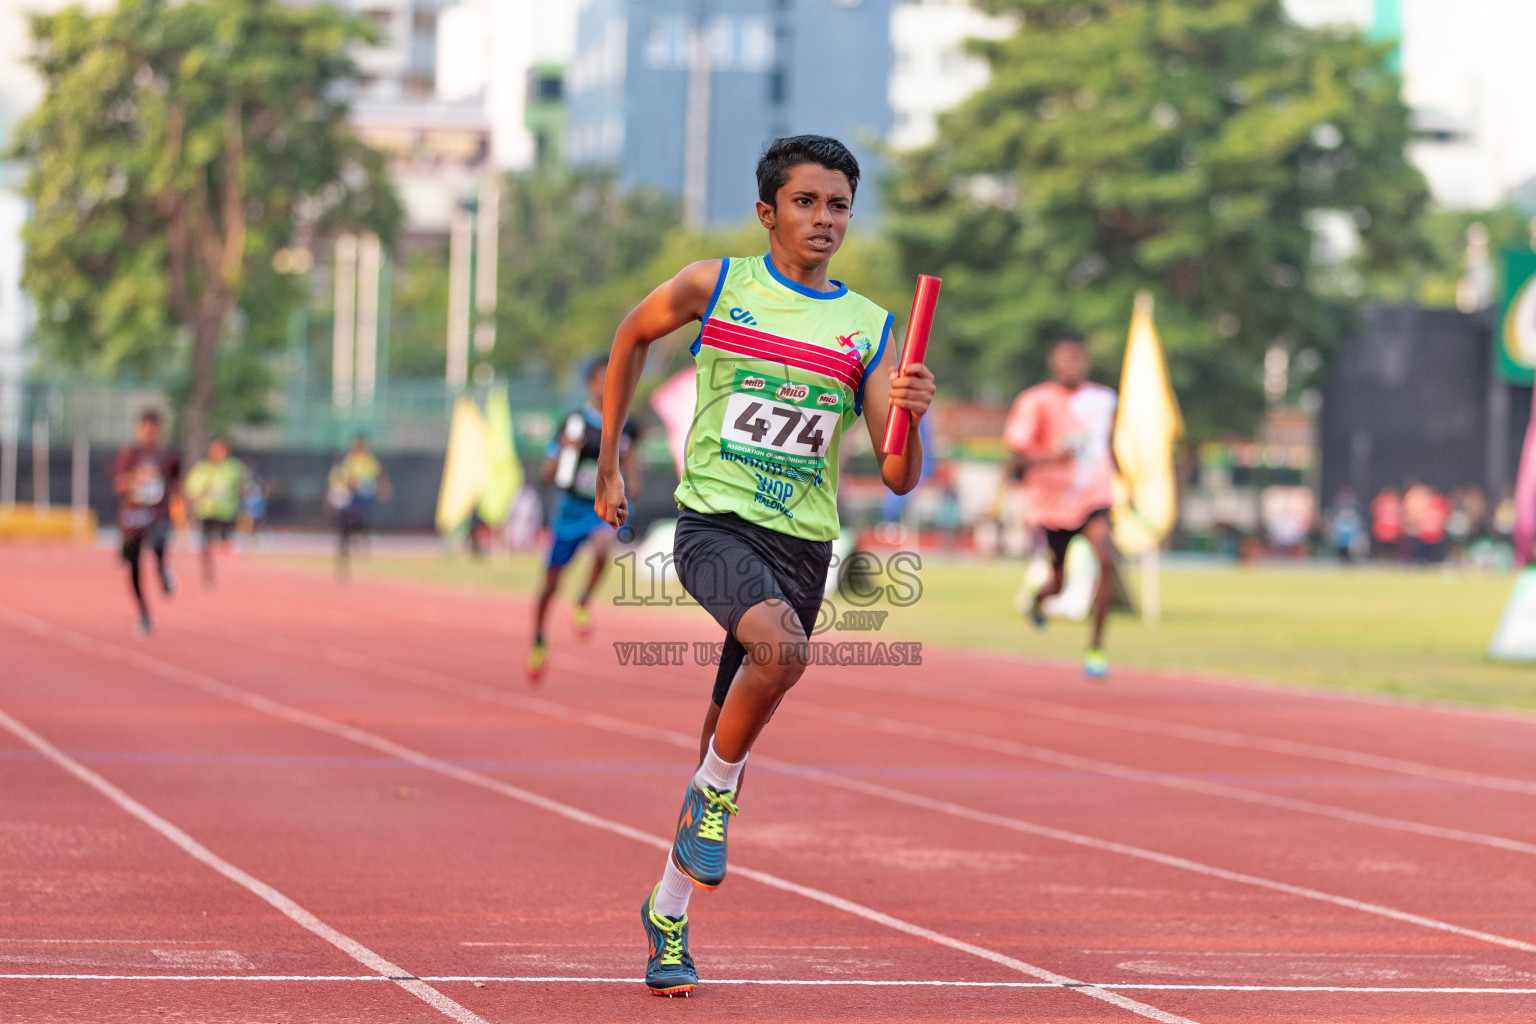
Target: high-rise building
pixel 682 95
pixel 1467 78
pixel 403 63
pixel 933 72
pixel 509 55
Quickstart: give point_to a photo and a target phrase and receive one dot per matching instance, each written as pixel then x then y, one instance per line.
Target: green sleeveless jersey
pixel 781 372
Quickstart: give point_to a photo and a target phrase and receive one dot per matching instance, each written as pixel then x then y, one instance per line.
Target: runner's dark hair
pixel 598 362
pixel 782 155
pixel 1069 337
pixel 150 416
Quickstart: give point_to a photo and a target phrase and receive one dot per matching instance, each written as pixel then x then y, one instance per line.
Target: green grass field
pixel 1413 633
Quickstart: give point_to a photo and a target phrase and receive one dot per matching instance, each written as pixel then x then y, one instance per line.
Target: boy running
pixel 1060 434
pixel 214 487
pixel 786 362
pixel 145 477
pixel 356 484
pixel 575 521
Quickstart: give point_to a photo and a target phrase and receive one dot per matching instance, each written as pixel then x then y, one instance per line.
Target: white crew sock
pixel 672 898
pixel 722 775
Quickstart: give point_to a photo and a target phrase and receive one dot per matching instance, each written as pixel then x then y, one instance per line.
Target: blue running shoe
pixel 698 849
pixel 669 971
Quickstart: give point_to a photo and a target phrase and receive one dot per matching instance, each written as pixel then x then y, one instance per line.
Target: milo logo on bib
pixel 793 428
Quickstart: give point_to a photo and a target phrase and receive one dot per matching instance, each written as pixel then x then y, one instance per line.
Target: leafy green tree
pixel 565 241
pixel 1189 148
pixel 179 145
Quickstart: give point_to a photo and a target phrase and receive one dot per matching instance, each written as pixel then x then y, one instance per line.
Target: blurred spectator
pixel 1287 514
pixel 253 502
pixel 1387 524
pixel 1476 507
pixel 1346 526
pixel 1415 506
pixel 1432 526
pixel 949 519
pixel 1504 516
pixel 1464 521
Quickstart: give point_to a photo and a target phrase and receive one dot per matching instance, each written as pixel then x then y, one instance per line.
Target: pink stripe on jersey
pixel 848 369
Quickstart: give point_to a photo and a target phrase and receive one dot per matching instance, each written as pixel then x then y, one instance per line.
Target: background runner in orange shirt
pixel 1060 434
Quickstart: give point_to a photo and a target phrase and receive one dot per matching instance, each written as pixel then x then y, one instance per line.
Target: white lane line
pixel 1281 688
pixel 1245 681
pixel 877 723
pixel 444 683
pixel 792 983
pixel 1197 733
pixel 208 684
pixel 1028 751
pixel 348 945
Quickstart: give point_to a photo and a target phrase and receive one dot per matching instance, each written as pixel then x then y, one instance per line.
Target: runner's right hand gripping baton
pixel 912 351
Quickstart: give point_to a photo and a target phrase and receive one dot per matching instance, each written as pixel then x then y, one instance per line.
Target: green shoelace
pixel 713 825
pixel 671 938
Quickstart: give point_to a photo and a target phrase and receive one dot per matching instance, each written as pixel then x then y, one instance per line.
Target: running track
pixel 310 802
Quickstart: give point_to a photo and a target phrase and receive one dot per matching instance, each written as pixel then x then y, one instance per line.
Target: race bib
pixel 781 421
pixel 148 485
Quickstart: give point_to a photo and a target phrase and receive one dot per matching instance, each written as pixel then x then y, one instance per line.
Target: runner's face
pixel 217 452
pixel 1069 364
pixel 811 215
pixel 595 386
pixel 148 433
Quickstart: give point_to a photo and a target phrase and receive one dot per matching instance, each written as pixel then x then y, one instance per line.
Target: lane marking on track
pixel 1220 737
pixel 208 684
pixel 1260 684
pixel 444 683
pixel 792 983
pixel 1028 751
pixel 345 658
pixel 1268 685
pixel 580 766
pixel 1198 733
pixel 287 907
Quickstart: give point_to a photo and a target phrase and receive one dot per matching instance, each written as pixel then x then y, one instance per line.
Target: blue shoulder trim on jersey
pixel 885 335
pixel 725 268
pixel 800 289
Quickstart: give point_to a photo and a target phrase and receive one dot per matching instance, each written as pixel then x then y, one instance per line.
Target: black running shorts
pixel 729 564
pixel 1057 540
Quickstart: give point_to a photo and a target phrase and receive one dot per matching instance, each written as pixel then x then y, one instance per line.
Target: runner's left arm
pixel 912 391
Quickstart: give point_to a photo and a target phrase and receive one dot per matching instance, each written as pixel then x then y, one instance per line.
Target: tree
pixel 179 145
pixel 1189 148
pixel 565 240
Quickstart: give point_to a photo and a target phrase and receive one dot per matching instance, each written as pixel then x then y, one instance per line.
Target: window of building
pixel 545 85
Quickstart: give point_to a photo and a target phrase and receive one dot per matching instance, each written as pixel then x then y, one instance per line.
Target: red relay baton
pixel 912 351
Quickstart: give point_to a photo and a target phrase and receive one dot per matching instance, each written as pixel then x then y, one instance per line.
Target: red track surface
pixel 1195 850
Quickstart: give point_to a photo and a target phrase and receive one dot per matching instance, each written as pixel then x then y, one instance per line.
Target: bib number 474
pixel 757 427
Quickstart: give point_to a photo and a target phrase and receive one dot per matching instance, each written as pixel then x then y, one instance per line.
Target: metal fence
pixel 406 416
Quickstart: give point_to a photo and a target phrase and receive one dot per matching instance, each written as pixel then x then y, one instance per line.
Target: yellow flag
pixel 1147 424
pixel 466 468
pixel 504 475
